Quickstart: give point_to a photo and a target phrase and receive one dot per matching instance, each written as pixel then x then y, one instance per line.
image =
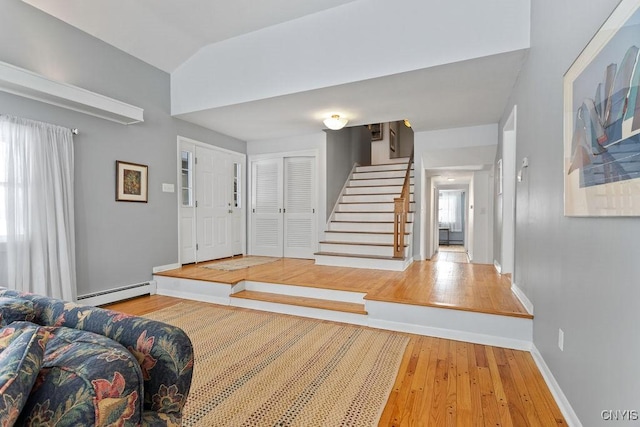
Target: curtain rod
pixel 75 131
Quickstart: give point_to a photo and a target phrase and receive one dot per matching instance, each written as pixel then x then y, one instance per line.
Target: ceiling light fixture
pixel 451 179
pixel 407 123
pixel 335 122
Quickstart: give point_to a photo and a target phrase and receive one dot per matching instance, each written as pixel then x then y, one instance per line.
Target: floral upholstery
pixel 21 353
pixel 12 310
pixel 163 353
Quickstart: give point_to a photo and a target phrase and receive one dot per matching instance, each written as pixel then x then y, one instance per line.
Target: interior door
pixel 299 207
pixel 213 195
pixel 266 207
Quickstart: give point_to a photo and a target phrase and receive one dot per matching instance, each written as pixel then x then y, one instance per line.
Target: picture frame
pixel 132 182
pixel 392 140
pixel 376 130
pixel 602 120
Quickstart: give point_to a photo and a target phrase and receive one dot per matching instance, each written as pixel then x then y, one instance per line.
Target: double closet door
pixel 211 211
pixel 283 207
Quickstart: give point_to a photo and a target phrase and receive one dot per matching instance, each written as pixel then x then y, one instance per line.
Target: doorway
pixel 211 208
pixel 452 225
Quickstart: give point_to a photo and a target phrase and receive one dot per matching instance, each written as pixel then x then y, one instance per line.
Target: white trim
pixel 119 294
pixel 563 403
pixel 496 264
pixel 451 334
pixel 28 84
pixel 519 293
pixel 302 291
pixel 167 267
pixel 294 310
pixel 214 292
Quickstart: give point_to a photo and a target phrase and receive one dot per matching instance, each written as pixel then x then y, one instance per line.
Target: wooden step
pixel 346 307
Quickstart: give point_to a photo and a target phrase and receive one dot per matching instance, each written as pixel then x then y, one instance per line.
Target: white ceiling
pixel 454 95
pixel 165 33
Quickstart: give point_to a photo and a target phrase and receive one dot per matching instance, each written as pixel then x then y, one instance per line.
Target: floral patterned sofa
pixel 69 365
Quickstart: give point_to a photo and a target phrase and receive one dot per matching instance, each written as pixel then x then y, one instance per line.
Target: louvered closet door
pixel 299 207
pixel 266 207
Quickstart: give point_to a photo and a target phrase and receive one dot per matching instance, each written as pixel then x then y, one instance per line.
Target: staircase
pixel 360 230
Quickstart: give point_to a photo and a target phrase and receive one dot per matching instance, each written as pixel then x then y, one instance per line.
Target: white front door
pixel 211 203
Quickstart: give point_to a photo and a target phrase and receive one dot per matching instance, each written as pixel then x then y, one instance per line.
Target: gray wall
pixel 581 274
pixel 117 243
pixel 344 148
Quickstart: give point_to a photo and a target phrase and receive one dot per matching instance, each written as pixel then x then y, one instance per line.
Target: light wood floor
pixel 469 287
pixel 448 383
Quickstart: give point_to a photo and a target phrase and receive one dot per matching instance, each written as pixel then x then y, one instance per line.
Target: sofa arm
pixel 164 352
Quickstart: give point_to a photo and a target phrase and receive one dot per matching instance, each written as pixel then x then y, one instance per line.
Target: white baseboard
pixel 498 267
pixel 118 294
pixel 522 297
pixel 563 403
pixel 166 267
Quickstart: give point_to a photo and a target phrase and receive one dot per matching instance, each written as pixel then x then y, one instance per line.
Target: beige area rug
pixel 262 369
pixel 240 263
pixel 452 248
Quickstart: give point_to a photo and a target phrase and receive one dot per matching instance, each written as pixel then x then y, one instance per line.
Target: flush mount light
pixel 407 123
pixel 451 179
pixel 335 122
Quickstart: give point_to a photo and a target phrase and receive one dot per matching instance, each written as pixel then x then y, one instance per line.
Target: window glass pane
pixel 236 184
pixel 186 178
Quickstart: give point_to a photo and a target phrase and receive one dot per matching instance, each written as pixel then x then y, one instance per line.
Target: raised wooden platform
pixel 467 287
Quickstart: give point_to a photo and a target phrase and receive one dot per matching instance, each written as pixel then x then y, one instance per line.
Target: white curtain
pixel 450 209
pixel 38 201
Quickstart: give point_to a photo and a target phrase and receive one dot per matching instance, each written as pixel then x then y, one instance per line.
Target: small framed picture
pixel 376 131
pixel 131 182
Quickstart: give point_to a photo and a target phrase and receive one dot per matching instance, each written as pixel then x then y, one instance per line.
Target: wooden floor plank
pixel 442 382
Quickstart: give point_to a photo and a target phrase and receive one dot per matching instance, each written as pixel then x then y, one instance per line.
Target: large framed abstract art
pixel 602 120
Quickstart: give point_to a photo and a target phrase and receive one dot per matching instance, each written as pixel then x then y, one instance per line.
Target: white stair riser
pixel 369 207
pixel 371 198
pixel 377 264
pixel 367 216
pixel 395 189
pixel 385 239
pixel 365 227
pixel 382 174
pixel 358 249
pixel 376 182
pixel 376 168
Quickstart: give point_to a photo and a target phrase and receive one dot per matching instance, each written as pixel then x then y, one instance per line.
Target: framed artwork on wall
pixel 131 182
pixel 376 131
pixel 602 120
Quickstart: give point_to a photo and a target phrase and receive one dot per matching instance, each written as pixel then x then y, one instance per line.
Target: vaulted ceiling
pixel 275 68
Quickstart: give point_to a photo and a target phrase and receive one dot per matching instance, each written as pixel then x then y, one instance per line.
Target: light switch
pixel 167 188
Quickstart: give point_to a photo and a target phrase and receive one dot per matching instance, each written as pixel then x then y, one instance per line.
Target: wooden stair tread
pixel 360 256
pixel 347 307
pixel 366 203
pixel 386 245
pixel 375 212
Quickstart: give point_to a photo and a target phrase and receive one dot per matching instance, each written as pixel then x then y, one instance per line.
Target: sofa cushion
pixel 85 379
pixel 14 310
pixel 22 349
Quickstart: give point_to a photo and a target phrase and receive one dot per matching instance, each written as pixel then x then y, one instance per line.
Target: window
pixel 450 209
pixel 237 185
pixel 186 160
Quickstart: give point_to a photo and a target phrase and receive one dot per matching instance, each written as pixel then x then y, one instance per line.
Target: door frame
pixel 244 196
pixel 509 160
pixel 315 153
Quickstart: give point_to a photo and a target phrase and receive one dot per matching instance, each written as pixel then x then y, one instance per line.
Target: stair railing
pixel 400 211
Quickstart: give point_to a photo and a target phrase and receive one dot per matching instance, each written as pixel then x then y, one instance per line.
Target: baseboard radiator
pixel 118 294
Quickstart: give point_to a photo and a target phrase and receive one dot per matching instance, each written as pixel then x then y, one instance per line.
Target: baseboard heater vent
pixel 118 294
